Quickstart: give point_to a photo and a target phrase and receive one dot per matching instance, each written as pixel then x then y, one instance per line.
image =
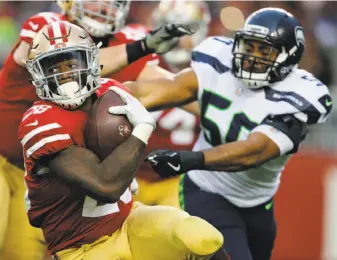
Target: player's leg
pixel 4 203
pixel 221 214
pixel 162 192
pixel 152 233
pixel 168 233
pixel 23 242
pixel 145 193
pixel 261 230
pixel 170 197
pixel 114 247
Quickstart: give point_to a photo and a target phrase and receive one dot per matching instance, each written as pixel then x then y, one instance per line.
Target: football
pixel 104 131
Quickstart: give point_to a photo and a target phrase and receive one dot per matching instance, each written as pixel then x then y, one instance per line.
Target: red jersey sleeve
pixel 35 23
pixel 128 34
pixel 41 136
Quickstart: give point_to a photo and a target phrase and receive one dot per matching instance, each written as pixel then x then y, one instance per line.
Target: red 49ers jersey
pixel 67 216
pixel 16 93
pixel 128 34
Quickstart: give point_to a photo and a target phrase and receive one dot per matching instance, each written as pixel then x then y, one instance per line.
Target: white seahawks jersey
pixel 230 111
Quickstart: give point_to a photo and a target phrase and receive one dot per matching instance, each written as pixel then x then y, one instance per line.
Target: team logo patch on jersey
pixel 299 35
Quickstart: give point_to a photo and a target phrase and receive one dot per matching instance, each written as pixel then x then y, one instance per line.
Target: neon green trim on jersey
pixel 181 192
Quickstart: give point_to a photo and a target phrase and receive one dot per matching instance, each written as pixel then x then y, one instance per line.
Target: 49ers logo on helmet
pixel 60 45
pixel 57 33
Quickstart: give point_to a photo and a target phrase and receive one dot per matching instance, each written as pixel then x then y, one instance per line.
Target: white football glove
pixel 166 37
pixel 142 121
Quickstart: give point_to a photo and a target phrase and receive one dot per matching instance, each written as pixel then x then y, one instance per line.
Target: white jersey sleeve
pixel 211 58
pixel 304 101
pixel 302 95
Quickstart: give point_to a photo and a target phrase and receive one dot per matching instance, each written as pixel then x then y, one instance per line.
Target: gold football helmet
pixel 64 63
pixel 99 18
pixel 183 12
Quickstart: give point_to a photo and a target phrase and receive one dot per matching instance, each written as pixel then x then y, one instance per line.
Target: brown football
pixel 104 131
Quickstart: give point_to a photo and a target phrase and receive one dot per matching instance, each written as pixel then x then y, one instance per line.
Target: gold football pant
pixel 163 192
pixel 153 233
pixel 18 239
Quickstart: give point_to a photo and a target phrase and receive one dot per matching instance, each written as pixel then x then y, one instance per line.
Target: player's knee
pixel 198 236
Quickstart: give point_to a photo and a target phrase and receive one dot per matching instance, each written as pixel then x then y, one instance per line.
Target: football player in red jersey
pixel 84 206
pixel 96 19
pixel 176 129
pixel 18 240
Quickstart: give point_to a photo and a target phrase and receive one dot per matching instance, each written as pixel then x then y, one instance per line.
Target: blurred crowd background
pixel 318 18
pixel 307 208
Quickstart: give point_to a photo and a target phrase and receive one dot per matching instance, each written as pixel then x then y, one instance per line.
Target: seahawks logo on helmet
pixel 299 35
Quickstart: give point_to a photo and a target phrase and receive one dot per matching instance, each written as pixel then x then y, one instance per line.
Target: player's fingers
pixel 178 30
pixel 186 29
pixel 147 158
pixel 123 94
pixel 118 110
pixel 128 98
pixel 150 156
pixel 150 160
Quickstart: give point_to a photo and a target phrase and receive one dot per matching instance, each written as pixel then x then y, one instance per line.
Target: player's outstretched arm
pixel 165 92
pixel 274 137
pixel 241 155
pixel 151 72
pixel 158 41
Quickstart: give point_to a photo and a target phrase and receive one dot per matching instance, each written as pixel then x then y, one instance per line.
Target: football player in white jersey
pixel 256 109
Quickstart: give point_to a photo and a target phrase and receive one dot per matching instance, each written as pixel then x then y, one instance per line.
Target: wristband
pixel 143 132
pixel 136 50
pixel 192 160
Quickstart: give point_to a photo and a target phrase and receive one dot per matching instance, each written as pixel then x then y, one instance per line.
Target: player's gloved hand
pixel 171 163
pixel 133 110
pixel 142 121
pixel 166 37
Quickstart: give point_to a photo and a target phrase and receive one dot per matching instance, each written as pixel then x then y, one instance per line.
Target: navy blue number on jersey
pixel 211 99
pixel 239 120
pixel 313 79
